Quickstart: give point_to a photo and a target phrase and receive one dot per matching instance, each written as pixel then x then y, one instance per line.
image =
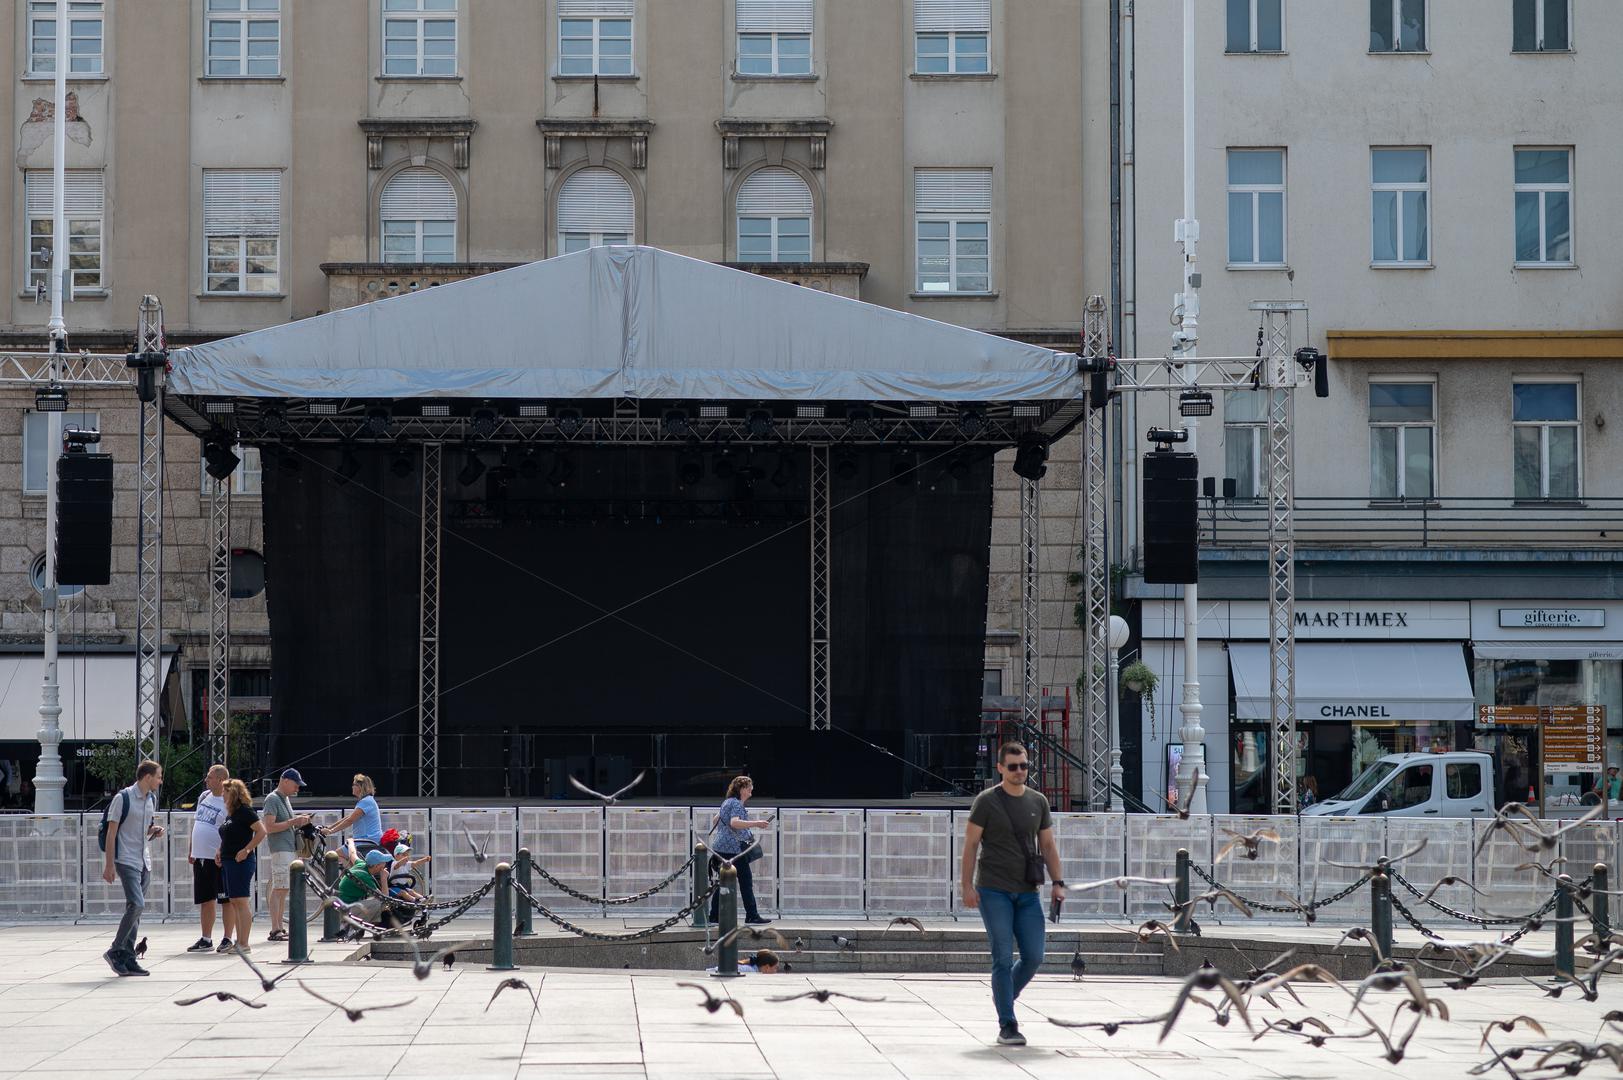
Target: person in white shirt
pixel 203 852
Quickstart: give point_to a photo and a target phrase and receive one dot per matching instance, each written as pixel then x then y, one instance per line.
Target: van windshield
pixel 1367 781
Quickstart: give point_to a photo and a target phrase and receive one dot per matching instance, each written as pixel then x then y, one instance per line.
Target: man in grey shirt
pixel 129 826
pixel 280 822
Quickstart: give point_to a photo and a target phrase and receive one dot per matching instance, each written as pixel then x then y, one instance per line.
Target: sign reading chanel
pixel 1365 712
pixel 1551 618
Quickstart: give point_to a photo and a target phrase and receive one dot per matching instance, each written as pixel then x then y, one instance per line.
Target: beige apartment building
pixel 252 162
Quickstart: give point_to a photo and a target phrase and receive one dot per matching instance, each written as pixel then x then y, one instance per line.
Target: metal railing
pixel 1360 521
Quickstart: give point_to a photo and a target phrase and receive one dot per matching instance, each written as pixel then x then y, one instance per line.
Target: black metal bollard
pixel 701 882
pixel 332 926
pixel 298 930
pixel 501 948
pixel 1563 925
pixel 727 912
pixel 1180 894
pixel 1600 916
pixel 1380 914
pixel 526 914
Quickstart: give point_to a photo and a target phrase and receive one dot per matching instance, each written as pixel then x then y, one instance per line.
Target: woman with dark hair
pixel 731 836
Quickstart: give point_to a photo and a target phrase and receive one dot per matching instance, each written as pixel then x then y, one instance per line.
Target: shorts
pixel 239 876
pixel 279 862
pixel 206 882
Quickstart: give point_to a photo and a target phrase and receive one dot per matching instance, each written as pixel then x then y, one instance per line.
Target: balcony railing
pixel 1345 521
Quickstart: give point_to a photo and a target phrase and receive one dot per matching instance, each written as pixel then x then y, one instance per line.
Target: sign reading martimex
pixel 1353 618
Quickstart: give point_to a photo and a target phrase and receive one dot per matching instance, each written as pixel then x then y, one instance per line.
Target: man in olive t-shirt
pixel 1007 823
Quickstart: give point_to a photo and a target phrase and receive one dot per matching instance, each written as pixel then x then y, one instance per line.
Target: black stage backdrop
pixel 602 612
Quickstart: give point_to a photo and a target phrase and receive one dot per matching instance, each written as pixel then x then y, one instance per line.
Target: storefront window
pixel 1516 746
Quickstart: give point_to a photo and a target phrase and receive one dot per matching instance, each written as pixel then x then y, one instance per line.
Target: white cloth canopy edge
pixel 1412 680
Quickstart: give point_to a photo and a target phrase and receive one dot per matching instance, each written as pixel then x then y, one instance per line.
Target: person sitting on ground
pixel 403 874
pixel 360 901
pixel 765 962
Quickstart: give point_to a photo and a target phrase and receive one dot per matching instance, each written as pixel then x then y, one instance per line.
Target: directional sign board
pixel 1574 738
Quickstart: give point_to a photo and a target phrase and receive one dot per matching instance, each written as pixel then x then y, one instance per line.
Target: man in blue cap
pixel 280 822
pixel 363 885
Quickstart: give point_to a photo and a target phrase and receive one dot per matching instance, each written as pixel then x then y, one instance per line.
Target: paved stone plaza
pixel 64 1014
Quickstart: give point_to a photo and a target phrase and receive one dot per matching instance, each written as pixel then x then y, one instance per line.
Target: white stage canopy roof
pixel 617 322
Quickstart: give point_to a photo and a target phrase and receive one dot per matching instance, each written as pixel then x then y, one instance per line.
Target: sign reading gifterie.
pixel 1551 618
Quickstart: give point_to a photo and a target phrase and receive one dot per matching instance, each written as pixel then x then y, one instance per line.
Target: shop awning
pixel 1374 681
pixel 1548 650
pixel 97 694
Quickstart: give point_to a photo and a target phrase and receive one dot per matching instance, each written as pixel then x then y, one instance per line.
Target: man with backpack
pixel 126 827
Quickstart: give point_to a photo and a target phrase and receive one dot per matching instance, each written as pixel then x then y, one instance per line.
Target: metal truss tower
pixel 1030 605
pixel 821 568
pixel 150 360
pixel 219 704
pixel 428 636
pixel 1096 741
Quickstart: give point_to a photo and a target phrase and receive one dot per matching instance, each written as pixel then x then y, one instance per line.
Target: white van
pixel 1458 784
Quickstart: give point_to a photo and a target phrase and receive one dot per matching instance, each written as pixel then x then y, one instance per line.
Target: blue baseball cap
pixel 293 775
pixel 376 857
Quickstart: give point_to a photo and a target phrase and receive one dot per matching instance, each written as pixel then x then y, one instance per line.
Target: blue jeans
pixel 135 880
pixel 1010 919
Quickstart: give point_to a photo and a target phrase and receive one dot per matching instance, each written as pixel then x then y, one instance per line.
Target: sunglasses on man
pixel 1018 765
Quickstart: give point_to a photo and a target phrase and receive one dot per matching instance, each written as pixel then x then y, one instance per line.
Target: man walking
pixel 280 821
pixel 129 827
pixel 1012 834
pixel 203 853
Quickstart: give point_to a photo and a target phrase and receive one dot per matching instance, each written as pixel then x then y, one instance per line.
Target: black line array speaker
pixel 1171 519
pixel 84 519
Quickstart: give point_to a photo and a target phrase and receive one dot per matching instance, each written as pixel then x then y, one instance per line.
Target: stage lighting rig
pixel 1313 360
pixel 1163 438
pixel 861 420
pixel 483 424
pixel 759 424
pixel 971 422
pixel 51 398
pixel 1196 402
pixel 1031 457
pixel 570 422
pixel 218 459
pixel 471 471
pixel 378 420
pixel 676 424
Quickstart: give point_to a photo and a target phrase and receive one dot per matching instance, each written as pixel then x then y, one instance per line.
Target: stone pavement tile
pixel 597 1072
pixel 574 1031
pixel 684 1031
pixel 708 1072
pixel 246 1046
pixel 584 1054
pixel 844 1071
pixel 506 1035
pixel 696 1055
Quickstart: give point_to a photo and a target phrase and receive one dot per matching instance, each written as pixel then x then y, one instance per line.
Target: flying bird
pixel 1294 1027
pixel 608 800
pixel 1250 844
pixel 1299 973
pixel 1305 909
pixel 1110 1027
pixel 1364 934
pixel 905 920
pixel 514 984
pixel 353 1014
pixel 756 933
pixel 268 984
pixel 824 995
pixel 1205 978
pixel 1120 883
pixel 222 995
pixel 1509 1026
pixel 1394 980
pixel 478 850
pixel 1384 860
pixel 1394 1049
pixel 712 1004
pixel 1449 879
pixel 1211 896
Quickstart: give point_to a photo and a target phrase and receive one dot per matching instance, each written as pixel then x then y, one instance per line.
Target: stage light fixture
pixel 218 460
pixel 378 420
pixel 322 408
pixel 403 461
pixel 845 466
pixel 810 412
pixel 570 422
pixel 532 411
pixel 219 408
pixel 713 412
pixel 971 422
pixel 676 424
pixel 51 399
pixel 273 420
pixel 759 424
pixel 1031 457
pixel 690 470
pixel 483 423
pixel 861 421
pixel 471 471
pixel 436 410
pixel 922 412
pixel 1196 403
pixel 348 466
pixel 529 466
pixel 1026 410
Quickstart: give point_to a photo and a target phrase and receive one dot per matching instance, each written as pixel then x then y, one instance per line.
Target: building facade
pixel 1433 180
pixel 252 162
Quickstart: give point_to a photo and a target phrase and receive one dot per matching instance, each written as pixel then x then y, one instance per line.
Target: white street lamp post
pixel 1118 638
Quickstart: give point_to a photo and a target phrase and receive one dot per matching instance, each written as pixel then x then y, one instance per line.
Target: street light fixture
pixel 1118 634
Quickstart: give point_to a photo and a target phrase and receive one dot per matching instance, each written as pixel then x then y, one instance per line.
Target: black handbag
pixel 1034 861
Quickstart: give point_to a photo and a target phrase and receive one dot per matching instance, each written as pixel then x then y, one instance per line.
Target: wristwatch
pixel 1061 884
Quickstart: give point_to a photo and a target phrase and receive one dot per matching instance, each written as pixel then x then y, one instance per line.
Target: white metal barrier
pixel 763 871
pixel 457 869
pixel 40 864
pixel 1358 841
pixel 1274 871
pixel 644 844
pixel 1152 851
pixel 820 862
pixel 567 841
pixel 906 850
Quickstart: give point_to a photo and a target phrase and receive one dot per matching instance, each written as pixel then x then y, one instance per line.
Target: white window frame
pixel 1544 426
pixel 40 237
pixel 1396 30
pixel 1539 7
pixel 421 15
pixel 413 225
pixel 1255 433
pixel 42 61
pixel 775 55
pixel 1251 5
pixel 774 232
pixel 952 37
pixel 246 479
pixel 1542 190
pixel 954 222
pixel 418 235
pixel 597 39
pixel 34 444
pixel 1400 187
pixel 569 241
pixel 1402 426
pixel 1256 191
pixel 245 14
pixel 243 236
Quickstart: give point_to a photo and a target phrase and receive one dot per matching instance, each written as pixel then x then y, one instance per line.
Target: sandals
pixel 276 935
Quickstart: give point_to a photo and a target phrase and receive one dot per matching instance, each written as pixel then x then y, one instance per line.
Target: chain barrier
pixel 420 927
pixel 1410 918
pixel 1527 924
pixel 613 900
pixel 1283 909
pixel 597 935
pixel 1477 920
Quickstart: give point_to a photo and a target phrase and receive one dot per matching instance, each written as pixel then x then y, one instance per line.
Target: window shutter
pixel 939 15
pixel 945 191
pixel 774 16
pixel 82 193
pixel 774 191
pixel 418 194
pixel 596 200
pixel 585 8
pixel 242 202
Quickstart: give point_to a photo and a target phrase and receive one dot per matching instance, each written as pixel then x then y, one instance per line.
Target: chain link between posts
pixel 457 908
pixel 1284 909
pixel 613 900
pixel 597 935
pixel 1478 920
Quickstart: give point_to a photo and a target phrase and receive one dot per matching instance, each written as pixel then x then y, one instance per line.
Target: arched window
pixel 418 214
pixel 774 217
pixel 595 208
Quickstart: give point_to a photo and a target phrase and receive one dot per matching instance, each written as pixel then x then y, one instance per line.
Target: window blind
pixel 774 191
pixel 940 15
pixel 242 202
pixel 944 191
pixel 82 193
pixel 596 200
pixel 774 16
pixel 568 9
pixel 418 193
